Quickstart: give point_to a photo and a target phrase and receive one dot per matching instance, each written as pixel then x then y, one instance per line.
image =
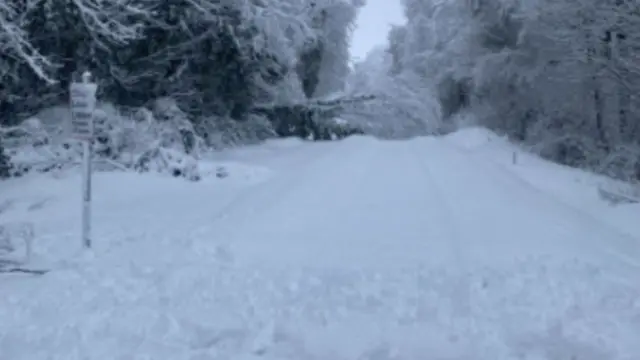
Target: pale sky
pixel 373 25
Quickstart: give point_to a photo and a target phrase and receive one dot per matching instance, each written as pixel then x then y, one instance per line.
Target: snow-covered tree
pixel 336 19
pixel 215 57
pixel 45 41
pixel 402 106
pixel 558 75
pixel 15 43
pixel 223 64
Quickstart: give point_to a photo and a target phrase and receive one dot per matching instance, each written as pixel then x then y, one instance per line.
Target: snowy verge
pixel 161 139
pixel 579 188
pixel 161 204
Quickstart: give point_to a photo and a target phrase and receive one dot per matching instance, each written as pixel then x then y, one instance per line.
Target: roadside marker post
pixel 82 96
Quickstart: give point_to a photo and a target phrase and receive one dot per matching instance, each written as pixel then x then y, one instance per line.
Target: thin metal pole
pixel 86 181
pixel 86 193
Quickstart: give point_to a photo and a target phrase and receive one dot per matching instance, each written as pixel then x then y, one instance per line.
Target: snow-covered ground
pixel 433 248
pixel 568 185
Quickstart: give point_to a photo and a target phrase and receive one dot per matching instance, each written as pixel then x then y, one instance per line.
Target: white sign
pixel 83 103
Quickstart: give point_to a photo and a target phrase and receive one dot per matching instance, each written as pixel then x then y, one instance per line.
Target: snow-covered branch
pixel 14 43
pixel 111 19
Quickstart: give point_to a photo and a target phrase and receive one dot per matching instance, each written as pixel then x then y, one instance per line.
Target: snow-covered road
pixel 359 249
pixel 424 202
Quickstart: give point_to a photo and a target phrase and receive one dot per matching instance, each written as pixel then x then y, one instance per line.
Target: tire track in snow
pixel 304 202
pixel 260 198
pixel 445 212
pixel 366 209
pixel 451 187
pixel 464 284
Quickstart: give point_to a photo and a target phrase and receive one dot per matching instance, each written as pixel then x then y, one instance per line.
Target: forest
pixel 188 76
pixel 559 77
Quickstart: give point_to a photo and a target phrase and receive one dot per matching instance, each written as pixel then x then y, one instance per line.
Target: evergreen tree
pixel 5 163
pixel 216 59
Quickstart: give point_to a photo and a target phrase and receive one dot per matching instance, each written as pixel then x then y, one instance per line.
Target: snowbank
pixel 290 142
pixel 161 139
pixel 237 171
pixel 475 138
pixel 51 201
pixel 578 188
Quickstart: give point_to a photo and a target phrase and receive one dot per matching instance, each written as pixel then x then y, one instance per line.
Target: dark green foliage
pixel 294 120
pixel 308 122
pixel 453 96
pixel 206 60
pixel 5 163
pixel 57 31
pixel 309 68
pixel 202 60
pixel 396 40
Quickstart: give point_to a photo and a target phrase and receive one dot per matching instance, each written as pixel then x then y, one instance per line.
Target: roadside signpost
pixel 82 103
